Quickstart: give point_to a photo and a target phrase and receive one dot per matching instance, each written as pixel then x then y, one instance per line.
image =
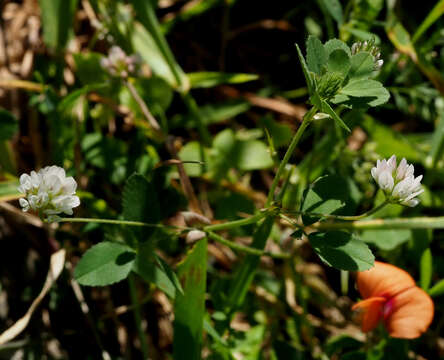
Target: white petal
pixel 391 163
pixel 412 195
pixel 411 203
pixel 69 186
pixel 33 201
pixel 401 170
pixel 410 171
pixel 53 183
pixel 402 189
pixel 24 204
pixel 386 181
pixel 35 179
pixel 375 173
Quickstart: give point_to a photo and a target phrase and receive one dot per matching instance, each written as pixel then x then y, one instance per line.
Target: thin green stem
pixel 383 224
pixel 238 223
pixel 193 108
pixel 353 217
pixel 291 221
pixel 138 316
pixel 244 248
pixel 294 142
pixel 117 222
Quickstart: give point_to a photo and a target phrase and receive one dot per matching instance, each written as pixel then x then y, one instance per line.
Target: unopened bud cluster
pixel 370 47
pixel 48 192
pixel 118 63
pixel 398 182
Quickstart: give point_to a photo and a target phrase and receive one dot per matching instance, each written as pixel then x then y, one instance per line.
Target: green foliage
pixel 228 151
pixel 342 250
pixel 316 55
pixel 327 195
pixel 8 125
pixel 334 8
pixel 264 155
pixel 362 65
pixel 244 275
pixel 386 239
pixel 104 264
pixel 363 91
pixel 437 289
pixel 154 270
pixel 88 68
pixel 339 61
pixel 8 189
pixel 426 269
pixel 57 19
pixel 207 79
pixel 189 307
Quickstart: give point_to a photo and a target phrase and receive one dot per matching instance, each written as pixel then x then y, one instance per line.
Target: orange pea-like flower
pixel 391 296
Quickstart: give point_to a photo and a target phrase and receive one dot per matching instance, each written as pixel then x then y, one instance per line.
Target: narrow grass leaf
pixel 189 307
pixel 208 79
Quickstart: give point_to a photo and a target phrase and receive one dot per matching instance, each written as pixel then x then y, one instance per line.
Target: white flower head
pixel 118 63
pixel 48 192
pixel 398 182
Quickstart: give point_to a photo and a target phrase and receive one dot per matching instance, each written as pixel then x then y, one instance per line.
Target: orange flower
pixel 390 295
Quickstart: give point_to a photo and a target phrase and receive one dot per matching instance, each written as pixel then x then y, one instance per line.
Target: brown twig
pixel 184 179
pixel 143 107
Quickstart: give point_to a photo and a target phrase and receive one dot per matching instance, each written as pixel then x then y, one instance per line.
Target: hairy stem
pixel 237 223
pixel 246 249
pixel 116 222
pixel 383 224
pixel 352 217
pixel 294 142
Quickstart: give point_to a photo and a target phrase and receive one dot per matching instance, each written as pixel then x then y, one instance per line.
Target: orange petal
pixel 383 280
pixel 372 312
pixel 411 314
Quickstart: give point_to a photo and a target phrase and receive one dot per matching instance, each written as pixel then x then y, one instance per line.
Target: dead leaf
pixel 57 262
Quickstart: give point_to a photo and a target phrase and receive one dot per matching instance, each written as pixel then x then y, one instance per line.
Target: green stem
pixel 383 224
pixel 138 315
pixel 291 221
pixel 244 248
pixel 237 223
pixel 294 142
pixel 115 222
pixel 193 108
pixel 353 217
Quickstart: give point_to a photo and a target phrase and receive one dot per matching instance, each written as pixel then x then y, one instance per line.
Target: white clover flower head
pixel 370 47
pixel 398 182
pixel 118 63
pixel 48 192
